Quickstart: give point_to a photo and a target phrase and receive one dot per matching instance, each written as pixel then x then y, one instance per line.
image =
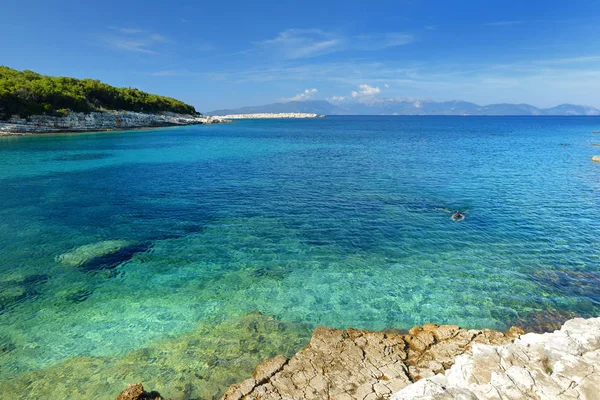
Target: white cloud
pixel 366 90
pixel 306 95
pixel 503 23
pixel 302 43
pixel 336 98
pixel 382 41
pixel 134 40
pixel 305 43
pixel 127 30
pixel 541 82
pixel 386 86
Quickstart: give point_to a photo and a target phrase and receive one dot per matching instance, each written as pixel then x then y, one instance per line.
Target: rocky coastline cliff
pixel 429 362
pixel 100 121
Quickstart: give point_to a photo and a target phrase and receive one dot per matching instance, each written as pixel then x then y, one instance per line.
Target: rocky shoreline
pixel 429 362
pixel 354 364
pixel 100 121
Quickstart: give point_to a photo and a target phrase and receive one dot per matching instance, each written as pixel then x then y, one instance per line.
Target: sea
pixel 181 257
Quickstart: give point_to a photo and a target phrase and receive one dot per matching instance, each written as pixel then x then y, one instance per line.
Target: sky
pixel 226 54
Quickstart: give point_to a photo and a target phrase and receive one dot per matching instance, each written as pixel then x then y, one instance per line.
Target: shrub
pixel 27 93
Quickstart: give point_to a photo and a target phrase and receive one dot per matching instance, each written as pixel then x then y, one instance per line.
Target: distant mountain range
pixel 404 106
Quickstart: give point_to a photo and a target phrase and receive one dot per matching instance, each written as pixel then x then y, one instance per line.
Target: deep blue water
pixel 342 221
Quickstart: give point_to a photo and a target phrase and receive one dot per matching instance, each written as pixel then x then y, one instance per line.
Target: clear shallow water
pixel 238 239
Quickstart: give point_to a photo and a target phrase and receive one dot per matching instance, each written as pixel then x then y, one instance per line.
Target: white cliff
pixel 564 364
pixel 99 121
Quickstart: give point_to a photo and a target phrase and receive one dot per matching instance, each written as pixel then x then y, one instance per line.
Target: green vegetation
pixel 27 93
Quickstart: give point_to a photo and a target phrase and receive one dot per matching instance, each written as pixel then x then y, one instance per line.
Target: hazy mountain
pixel 571 109
pixel 320 107
pixel 404 106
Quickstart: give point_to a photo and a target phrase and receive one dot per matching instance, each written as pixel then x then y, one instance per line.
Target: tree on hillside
pixel 27 93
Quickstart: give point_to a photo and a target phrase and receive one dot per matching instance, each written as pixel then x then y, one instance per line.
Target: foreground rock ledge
pixel 100 121
pixel 432 363
pixel 560 365
pixel 365 365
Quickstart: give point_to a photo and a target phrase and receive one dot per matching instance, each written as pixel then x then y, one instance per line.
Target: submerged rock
pixel 75 294
pixel 544 320
pixel 135 391
pixel 10 295
pixel 102 255
pixel 580 283
pixel 596 159
pixel 560 365
pixel 200 364
pixel 16 289
pixel 357 364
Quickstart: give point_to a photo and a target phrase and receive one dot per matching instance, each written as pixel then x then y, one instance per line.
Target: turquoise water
pixel 342 221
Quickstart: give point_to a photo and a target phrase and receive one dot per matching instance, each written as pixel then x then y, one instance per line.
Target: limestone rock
pixel 100 121
pixel 356 364
pixel 268 368
pixel 596 158
pixel 564 364
pixel 135 391
pixel 100 255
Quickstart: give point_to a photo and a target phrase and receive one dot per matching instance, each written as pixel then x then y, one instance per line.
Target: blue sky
pixel 235 53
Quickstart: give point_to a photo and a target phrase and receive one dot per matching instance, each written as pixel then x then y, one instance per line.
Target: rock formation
pixel 366 365
pixel 596 158
pixel 98 121
pixel 434 363
pixel 564 364
pixel 135 391
pixel 101 255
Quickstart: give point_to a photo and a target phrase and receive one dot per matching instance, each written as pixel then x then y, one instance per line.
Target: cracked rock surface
pixel 356 364
pixel 564 364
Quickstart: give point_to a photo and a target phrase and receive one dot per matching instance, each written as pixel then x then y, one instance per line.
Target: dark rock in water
pixel 102 255
pixel 82 157
pixel 6 345
pixel 35 279
pixel 110 261
pixel 135 391
pixel 75 293
pixel 16 290
pixel 585 284
pixel 273 272
pixel 545 321
pixel 79 295
pixel 10 295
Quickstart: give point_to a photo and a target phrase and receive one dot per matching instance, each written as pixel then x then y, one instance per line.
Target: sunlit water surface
pixel 210 248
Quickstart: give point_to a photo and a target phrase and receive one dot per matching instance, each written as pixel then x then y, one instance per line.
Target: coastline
pixel 272 274
pixel 428 361
pixel 108 121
